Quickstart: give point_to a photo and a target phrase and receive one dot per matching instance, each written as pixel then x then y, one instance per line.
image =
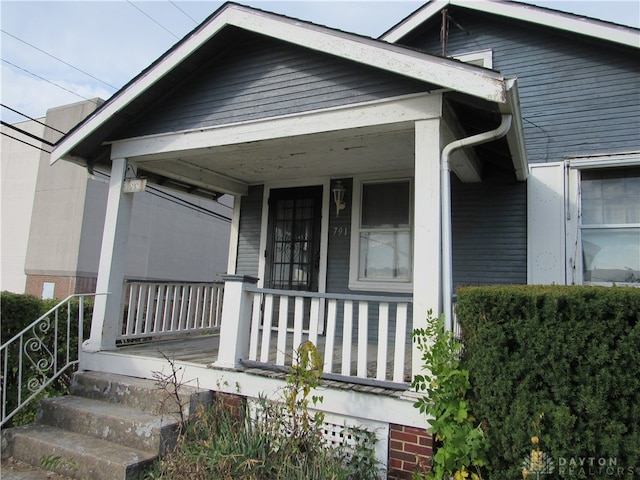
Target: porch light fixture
pixel 338 196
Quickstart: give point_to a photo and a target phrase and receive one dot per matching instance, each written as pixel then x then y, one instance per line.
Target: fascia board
pixel 484 84
pixel 515 136
pixel 528 13
pixel 413 21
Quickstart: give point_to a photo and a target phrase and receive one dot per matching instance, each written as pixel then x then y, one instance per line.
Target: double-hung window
pixel 610 225
pixel 381 248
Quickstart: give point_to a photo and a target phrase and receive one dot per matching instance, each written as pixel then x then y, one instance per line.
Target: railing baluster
pixel 383 340
pixel 314 320
pixel 131 311
pixel 399 350
pixel 347 335
pixel 255 326
pixel 298 322
pixel 331 333
pixel 283 314
pixel 363 338
pixel 266 328
pixel 156 320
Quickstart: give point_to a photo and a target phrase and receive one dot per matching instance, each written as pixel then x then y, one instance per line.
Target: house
pixel 53 217
pixel 370 177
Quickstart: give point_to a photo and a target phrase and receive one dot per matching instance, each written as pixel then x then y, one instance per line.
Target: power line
pixel 26 143
pixel 48 81
pixel 152 19
pixel 60 60
pixel 31 118
pixel 176 5
pixel 24 132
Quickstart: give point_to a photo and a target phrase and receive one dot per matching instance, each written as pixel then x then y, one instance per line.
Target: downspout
pixel 445 215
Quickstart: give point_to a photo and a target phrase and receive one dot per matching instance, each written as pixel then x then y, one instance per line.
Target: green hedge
pixel 571 353
pixel 18 311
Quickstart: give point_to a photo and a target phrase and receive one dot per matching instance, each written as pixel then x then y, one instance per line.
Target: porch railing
pixel 39 354
pixel 361 336
pixel 157 309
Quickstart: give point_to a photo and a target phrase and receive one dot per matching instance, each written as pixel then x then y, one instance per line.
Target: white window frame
pixel 576 165
pixel 396 286
pixel 482 58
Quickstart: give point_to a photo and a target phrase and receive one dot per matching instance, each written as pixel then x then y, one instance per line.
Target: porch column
pixel 107 309
pixel 236 321
pixel 426 247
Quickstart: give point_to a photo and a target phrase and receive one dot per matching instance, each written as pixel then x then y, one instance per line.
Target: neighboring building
pixel 346 230
pixel 53 217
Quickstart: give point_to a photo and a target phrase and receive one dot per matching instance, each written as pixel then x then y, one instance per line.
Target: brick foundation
pixel 409 450
pixel 64 286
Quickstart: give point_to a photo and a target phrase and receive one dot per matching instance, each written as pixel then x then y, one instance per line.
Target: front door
pixel 293 247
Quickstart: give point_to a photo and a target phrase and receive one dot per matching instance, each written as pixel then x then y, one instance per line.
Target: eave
pixel 568 22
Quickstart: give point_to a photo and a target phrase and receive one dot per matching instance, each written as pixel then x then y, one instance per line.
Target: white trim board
pixel 521 11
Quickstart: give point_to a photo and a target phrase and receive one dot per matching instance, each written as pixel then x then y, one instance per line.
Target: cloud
pixel 34 97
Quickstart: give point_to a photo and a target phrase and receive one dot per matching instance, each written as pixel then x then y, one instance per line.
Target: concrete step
pixel 143 394
pixel 114 423
pixel 11 469
pixel 76 455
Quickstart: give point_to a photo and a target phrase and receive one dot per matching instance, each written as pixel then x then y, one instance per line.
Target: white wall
pixel 18 174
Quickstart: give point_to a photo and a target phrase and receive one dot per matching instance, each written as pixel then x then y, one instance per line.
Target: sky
pixel 60 52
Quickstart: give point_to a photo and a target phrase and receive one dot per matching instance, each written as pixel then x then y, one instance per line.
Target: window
pixel 610 225
pixel 381 249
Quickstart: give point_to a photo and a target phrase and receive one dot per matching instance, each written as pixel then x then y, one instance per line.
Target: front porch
pixel 363 339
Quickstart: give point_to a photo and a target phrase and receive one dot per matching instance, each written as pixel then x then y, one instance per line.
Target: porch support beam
pixel 381 113
pixel 107 310
pixel 236 321
pixel 427 289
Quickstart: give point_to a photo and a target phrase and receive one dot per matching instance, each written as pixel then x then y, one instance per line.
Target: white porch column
pixel 236 321
pixel 108 308
pixel 426 237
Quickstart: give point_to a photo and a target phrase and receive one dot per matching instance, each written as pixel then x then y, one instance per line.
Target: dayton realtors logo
pixel 594 467
pixel 536 465
pixel 539 464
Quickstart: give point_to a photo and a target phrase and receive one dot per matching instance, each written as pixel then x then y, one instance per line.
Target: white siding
pixel 546 224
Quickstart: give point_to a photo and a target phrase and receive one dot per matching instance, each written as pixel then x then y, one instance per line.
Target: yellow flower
pixel 460 474
pixel 525 474
pixel 535 440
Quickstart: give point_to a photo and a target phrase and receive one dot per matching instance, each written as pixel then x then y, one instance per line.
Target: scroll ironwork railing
pixel 41 353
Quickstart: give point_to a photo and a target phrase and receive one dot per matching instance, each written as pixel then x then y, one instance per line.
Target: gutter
pixel 445 213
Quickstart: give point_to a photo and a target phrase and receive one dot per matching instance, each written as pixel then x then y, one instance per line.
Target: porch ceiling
pixel 327 154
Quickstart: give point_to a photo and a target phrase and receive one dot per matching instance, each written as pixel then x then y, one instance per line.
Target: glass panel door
pixel 293 253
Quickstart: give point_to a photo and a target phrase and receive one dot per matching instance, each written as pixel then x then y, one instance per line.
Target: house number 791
pixel 340 231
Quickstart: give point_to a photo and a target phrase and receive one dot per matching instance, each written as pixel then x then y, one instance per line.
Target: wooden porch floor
pixel 202 350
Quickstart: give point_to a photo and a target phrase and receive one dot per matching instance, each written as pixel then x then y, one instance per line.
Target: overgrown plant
pixel 170 384
pixel 304 376
pixel 271 440
pixel 461 442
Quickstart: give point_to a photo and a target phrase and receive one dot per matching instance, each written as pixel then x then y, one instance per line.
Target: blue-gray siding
pixel 489 227
pixel 259 77
pixel 249 232
pixel 579 96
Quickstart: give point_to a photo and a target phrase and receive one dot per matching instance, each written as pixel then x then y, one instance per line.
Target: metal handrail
pixel 43 360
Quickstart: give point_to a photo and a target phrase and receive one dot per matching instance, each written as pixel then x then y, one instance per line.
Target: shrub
pixel 554 368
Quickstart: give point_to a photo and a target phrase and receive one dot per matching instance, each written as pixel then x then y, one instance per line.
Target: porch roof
pixel 85 143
